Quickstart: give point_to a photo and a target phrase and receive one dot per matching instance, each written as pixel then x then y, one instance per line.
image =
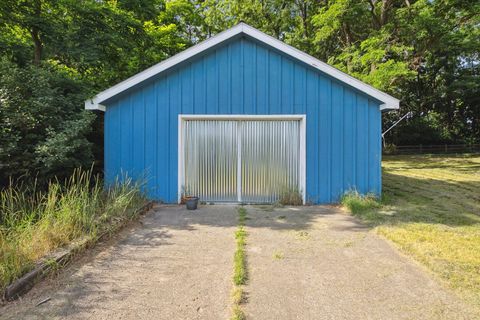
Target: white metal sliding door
pixel 211 160
pixel 242 160
pixel 269 159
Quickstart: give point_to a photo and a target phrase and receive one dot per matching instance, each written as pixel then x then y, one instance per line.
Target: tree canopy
pixel 56 53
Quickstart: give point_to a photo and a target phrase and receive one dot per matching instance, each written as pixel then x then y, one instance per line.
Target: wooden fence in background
pixel 440 148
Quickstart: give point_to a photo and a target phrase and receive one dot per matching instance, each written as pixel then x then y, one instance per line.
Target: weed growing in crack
pixel 239 267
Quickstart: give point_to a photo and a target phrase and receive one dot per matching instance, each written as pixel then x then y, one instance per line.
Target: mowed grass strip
pixel 431 210
pixel 239 267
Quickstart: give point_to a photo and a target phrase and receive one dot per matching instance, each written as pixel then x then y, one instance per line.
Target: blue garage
pixel 243 117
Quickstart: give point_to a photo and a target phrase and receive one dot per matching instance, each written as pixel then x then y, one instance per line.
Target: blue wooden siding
pixel 343 144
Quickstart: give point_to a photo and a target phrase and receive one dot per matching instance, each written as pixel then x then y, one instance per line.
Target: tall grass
pixel 290 197
pixel 359 204
pixel 33 222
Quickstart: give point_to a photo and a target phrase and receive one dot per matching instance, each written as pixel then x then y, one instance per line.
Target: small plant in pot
pixel 190 200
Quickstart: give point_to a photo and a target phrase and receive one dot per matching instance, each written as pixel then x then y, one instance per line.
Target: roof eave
pixel 388 102
pixel 161 66
pixel 92 104
pixel 394 105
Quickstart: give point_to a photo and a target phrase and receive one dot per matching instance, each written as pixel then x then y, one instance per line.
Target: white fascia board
pixel 242 116
pixel 91 104
pixel 387 107
pixel 94 103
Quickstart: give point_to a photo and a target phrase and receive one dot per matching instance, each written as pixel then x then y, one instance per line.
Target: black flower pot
pixel 192 203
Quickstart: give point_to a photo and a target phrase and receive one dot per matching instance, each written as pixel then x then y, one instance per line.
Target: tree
pixel 42 127
pixel 55 53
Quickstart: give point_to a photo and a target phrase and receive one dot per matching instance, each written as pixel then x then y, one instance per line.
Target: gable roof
pixel 95 103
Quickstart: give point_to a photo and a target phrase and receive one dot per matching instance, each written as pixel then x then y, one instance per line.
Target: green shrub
pixel 358 203
pixel 43 127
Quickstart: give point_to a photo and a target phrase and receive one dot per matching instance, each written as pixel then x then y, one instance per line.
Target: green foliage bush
pixel 427 129
pixel 43 128
pixel 56 54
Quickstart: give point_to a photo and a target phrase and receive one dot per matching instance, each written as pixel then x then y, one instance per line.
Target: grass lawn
pixel 431 211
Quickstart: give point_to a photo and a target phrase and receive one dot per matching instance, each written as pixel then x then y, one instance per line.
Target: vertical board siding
pixel 125 132
pixel 236 77
pixel 249 78
pixel 224 84
pixel 261 79
pixel 312 145
pixel 138 137
pixel 287 90
pixel 349 143
pixel 164 158
pixel 186 88
pixel 151 140
pixel 299 89
pixel 338 147
pixel 212 80
pixel 375 149
pixel 325 140
pixel 199 90
pixel 343 146
pixel 362 144
pixel 273 82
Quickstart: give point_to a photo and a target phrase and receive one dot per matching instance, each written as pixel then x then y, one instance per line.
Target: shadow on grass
pixel 461 163
pixel 432 201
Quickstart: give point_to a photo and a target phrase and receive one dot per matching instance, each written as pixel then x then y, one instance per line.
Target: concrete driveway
pixel 320 263
pixel 175 264
pixel 304 263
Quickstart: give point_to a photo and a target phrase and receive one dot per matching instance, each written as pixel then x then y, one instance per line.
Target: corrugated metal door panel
pixel 269 159
pixel 210 151
pixel 247 161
